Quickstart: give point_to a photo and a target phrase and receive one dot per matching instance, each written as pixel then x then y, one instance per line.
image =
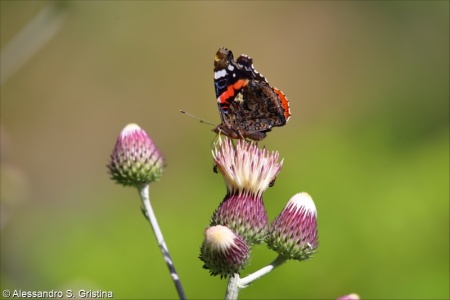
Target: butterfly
pixel 249 107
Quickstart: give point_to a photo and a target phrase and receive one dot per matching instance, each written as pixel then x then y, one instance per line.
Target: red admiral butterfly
pixel 249 107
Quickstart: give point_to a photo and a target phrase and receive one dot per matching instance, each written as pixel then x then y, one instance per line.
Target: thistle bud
pixel 245 214
pixel 223 252
pixel 135 159
pixel 293 234
pixel 349 297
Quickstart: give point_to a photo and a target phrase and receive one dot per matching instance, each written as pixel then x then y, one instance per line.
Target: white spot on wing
pixel 220 74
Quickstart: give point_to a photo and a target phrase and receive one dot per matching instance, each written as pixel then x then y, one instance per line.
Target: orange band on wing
pixel 225 97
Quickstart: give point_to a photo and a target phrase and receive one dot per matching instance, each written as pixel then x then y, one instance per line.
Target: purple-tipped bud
pixel 135 159
pixel 293 234
pixel 349 297
pixel 223 252
pixel 245 214
pixel 248 171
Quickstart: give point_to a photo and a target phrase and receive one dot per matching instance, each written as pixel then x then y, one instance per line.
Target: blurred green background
pixel 368 84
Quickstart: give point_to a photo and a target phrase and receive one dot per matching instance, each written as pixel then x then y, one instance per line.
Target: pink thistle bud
pixel 248 171
pixel 245 214
pixel 223 252
pixel 352 296
pixel 135 159
pixel 293 234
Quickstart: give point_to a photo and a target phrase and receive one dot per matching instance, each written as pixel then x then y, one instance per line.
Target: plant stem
pixel 233 287
pixel 235 283
pixel 150 215
pixel 244 282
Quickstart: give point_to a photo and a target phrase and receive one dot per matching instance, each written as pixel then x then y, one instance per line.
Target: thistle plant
pixel 136 161
pixel 240 222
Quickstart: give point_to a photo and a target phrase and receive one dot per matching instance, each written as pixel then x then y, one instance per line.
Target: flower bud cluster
pixel 241 220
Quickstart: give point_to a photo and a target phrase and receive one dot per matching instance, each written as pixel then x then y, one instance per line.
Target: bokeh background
pixel 368 84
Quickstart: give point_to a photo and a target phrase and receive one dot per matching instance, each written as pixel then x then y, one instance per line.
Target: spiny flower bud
pixel 248 171
pixel 349 297
pixel 245 214
pixel 135 159
pixel 223 252
pixel 293 234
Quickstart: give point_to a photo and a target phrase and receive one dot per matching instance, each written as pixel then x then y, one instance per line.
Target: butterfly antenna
pixel 198 118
